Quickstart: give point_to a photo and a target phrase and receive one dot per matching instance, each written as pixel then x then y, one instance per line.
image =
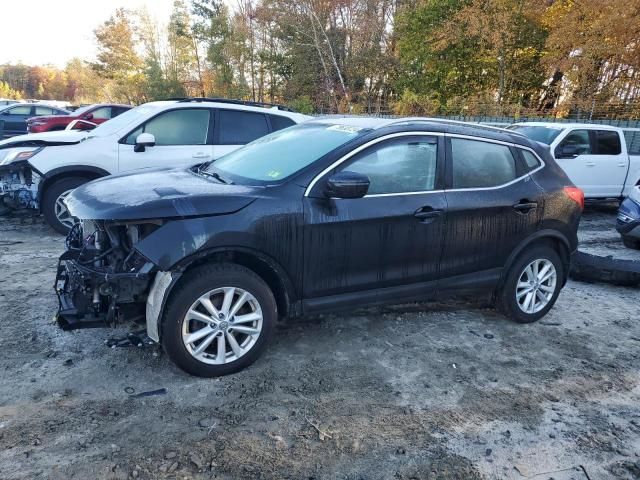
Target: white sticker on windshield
pixel 344 128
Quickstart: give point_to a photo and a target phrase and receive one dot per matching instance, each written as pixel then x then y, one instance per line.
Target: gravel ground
pixel 436 391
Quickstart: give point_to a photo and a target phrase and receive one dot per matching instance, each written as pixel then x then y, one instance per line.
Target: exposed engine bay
pixel 19 183
pixel 102 279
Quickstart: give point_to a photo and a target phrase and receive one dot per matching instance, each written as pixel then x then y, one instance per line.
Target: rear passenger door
pixel 15 119
pixel 492 205
pixel 235 128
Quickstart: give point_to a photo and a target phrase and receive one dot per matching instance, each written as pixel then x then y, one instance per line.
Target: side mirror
pixel 143 141
pixel 89 116
pixel 567 151
pixel 347 185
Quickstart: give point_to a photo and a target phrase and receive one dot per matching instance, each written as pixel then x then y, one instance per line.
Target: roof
pixel 299 117
pixel 562 126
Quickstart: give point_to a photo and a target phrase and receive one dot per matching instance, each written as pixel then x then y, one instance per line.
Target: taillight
pixel 575 194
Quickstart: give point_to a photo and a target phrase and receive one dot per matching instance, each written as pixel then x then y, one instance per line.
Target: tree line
pixel 433 57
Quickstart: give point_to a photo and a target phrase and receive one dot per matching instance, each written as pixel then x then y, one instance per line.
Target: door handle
pixel 427 214
pixel 622 164
pixel 200 155
pixel 525 207
pixel 590 164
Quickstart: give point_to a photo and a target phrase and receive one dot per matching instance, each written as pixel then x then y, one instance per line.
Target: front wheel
pixel 532 285
pixel 218 320
pixel 53 207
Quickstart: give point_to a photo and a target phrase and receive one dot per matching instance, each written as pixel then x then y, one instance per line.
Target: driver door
pixel 183 138
pixel 392 237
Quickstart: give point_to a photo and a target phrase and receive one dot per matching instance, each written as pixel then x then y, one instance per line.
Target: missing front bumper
pixel 92 298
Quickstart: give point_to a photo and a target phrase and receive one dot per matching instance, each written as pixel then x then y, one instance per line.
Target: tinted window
pixel 481 164
pixel 44 111
pixel 398 166
pixel 102 113
pixel 530 160
pixel 239 128
pixel 281 154
pixel 176 127
pixel 579 139
pixel 278 122
pixel 607 142
pixel 21 110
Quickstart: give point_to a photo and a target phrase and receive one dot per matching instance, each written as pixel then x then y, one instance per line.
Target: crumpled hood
pixel 157 193
pixel 53 138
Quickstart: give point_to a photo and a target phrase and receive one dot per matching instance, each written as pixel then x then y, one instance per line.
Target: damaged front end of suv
pixel 19 180
pixel 102 279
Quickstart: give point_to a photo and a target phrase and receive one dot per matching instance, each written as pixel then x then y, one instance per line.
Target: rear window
pixel 479 164
pixel 239 128
pixel 607 142
pixel 539 134
pixel 278 122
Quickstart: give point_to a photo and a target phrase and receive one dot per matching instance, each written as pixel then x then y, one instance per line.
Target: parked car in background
pixel 13 118
pixel 39 170
pixel 4 102
pixel 628 221
pixel 594 156
pixel 326 215
pixel 84 118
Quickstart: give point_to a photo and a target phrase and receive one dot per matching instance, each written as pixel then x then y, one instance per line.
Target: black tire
pixel 192 286
pixel 50 197
pixel 506 300
pixel 630 242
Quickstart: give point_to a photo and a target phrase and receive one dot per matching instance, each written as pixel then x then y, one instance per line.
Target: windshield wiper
pixel 215 175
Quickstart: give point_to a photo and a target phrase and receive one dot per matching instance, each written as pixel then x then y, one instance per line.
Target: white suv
pixel 39 170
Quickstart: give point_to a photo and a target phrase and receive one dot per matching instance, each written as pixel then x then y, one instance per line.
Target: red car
pixel 85 118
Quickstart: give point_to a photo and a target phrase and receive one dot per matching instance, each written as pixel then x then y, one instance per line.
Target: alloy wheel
pixel 61 211
pixel 536 286
pixel 222 325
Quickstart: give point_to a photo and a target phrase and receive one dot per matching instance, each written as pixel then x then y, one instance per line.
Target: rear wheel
pixel 532 285
pixel 53 207
pixel 218 320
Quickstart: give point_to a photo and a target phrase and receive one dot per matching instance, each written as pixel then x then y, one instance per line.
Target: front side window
pixel 176 127
pixel 607 142
pixel 102 113
pixel 21 110
pixel 398 166
pixel 578 139
pixel 478 164
pixel 239 128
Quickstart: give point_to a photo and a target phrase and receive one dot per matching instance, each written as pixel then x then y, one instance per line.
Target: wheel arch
pixel 543 237
pixel 268 269
pixel 87 171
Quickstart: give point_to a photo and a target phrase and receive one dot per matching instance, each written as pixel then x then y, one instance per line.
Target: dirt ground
pixel 437 391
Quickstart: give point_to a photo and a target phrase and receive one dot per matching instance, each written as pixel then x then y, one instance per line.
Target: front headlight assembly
pixel 19 153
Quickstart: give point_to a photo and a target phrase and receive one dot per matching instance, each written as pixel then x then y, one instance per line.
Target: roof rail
pixel 455 122
pixel 233 102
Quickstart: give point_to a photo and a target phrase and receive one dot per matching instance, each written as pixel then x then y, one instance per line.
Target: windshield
pixel 283 153
pixel 538 133
pixel 123 120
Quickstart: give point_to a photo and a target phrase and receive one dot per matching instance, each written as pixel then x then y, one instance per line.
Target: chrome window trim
pixel 367 145
pixel 430 134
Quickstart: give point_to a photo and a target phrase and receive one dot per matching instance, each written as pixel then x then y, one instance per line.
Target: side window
pixel 398 166
pixel 530 160
pixel 102 113
pixel 44 111
pixel 239 128
pixel 21 110
pixel 278 122
pixel 176 127
pixel 478 164
pixel 607 142
pixel 115 111
pixel 579 139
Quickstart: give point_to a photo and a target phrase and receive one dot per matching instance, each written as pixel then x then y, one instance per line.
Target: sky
pixel 39 32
